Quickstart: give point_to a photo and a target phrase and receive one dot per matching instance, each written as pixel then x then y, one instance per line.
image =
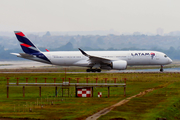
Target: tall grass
pixel 50 107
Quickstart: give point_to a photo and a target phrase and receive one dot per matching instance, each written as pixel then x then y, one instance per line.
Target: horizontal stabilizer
pixel 17 54
pixel 23 55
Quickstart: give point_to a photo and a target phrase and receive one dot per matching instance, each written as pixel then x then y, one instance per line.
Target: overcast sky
pixel 89 15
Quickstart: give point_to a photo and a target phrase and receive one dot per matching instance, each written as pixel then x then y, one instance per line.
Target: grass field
pixel 163 102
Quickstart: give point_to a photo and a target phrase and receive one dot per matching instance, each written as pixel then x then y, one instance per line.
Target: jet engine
pixel 119 65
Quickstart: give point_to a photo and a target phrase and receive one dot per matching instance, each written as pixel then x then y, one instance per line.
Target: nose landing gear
pixel 161 70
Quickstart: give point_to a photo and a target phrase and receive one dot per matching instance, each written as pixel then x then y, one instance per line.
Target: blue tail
pixel 26 45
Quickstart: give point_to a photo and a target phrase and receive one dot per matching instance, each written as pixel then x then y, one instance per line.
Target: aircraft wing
pixel 94 60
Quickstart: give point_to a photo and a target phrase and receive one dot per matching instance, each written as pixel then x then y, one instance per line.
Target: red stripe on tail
pixel 25 45
pixel 20 34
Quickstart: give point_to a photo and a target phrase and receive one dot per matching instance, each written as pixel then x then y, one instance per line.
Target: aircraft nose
pixel 170 61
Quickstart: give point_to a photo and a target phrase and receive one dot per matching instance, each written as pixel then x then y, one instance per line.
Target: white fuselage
pixel 76 58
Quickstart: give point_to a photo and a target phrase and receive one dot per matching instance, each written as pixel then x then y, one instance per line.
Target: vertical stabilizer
pixel 26 45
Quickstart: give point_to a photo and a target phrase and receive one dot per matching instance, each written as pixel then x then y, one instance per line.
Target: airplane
pixel 94 60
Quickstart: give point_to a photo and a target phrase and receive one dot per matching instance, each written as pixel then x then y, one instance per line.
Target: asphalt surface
pixel 33 64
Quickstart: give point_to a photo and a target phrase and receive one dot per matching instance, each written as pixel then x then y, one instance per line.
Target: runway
pixel 127 72
pixel 35 65
pixel 21 64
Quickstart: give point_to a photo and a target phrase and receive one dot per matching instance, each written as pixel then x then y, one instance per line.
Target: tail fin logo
pixel 152 55
pixel 26 45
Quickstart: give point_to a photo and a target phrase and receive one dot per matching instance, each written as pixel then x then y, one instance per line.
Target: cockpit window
pixel 165 55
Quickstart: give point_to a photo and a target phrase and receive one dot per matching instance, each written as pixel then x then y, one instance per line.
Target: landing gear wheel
pixel 161 70
pixel 98 70
pixel 93 70
pixel 88 70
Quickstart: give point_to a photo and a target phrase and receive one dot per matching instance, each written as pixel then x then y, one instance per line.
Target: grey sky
pixel 89 15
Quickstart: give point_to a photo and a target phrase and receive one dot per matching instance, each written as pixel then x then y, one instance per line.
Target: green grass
pixel 162 102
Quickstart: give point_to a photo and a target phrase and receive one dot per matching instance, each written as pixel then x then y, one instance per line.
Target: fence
pixel 65 84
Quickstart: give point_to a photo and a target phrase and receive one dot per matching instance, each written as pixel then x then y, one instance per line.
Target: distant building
pixel 160 31
pixel 174 33
pixel 136 33
pixel 47 34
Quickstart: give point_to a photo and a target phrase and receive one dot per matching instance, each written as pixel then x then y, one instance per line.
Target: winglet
pixel 47 50
pixel 85 54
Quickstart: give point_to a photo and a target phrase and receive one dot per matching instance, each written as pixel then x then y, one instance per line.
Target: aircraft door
pixel 49 56
pixel 154 58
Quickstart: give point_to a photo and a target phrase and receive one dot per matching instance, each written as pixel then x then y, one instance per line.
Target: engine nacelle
pixel 119 65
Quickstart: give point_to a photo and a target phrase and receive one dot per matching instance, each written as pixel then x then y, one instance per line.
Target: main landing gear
pixel 93 70
pixel 161 70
